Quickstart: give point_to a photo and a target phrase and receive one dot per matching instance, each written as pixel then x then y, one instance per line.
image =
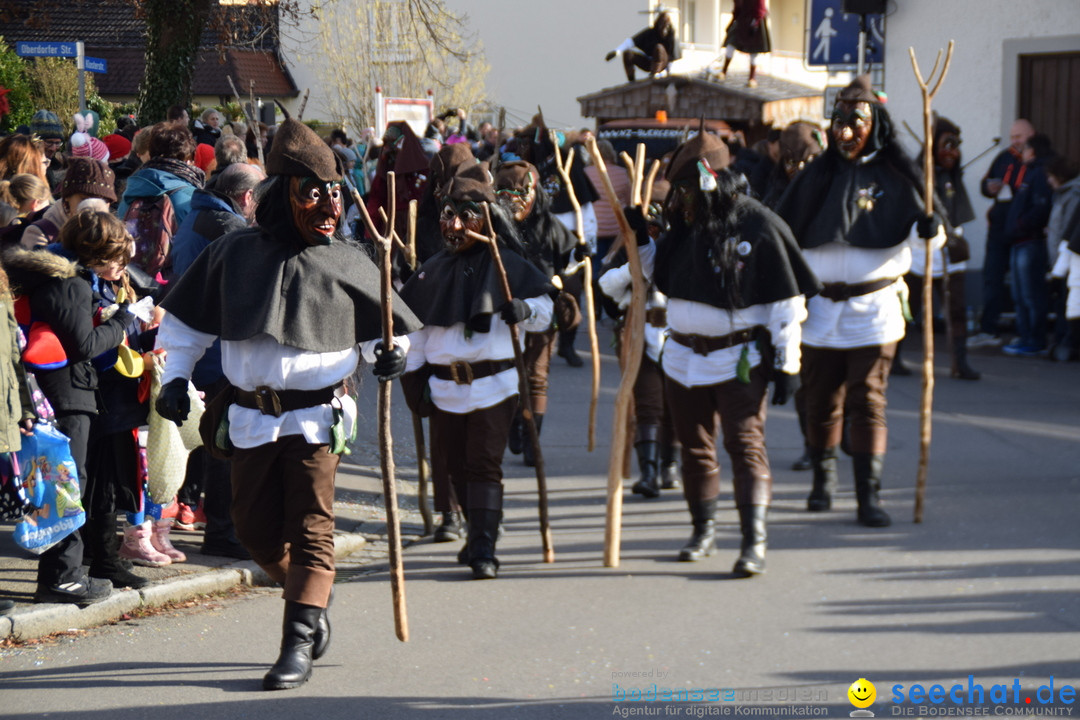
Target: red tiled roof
pixel 127 65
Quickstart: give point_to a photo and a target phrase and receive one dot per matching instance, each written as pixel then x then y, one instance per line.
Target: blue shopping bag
pixel 52 484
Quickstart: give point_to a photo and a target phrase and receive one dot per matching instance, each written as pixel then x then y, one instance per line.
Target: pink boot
pixel 160 540
pixel 137 547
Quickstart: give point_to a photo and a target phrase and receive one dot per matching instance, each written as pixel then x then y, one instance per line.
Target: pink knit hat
pixel 83 144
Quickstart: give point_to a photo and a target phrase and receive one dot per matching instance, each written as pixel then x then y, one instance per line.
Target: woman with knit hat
pixel 85 178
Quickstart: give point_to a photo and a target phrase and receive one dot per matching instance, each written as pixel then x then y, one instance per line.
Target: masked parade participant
pixel 290 302
pixel 952 268
pixel 549 246
pixel 853 211
pixel 460 368
pixel 736 287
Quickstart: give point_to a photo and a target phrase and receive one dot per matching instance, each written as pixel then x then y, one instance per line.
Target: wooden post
pixel 386 441
pixel 926 405
pixel 590 307
pixel 634 340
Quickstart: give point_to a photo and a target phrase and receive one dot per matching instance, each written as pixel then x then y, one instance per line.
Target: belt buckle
pixel 267 400
pixel 699 344
pixel 456 372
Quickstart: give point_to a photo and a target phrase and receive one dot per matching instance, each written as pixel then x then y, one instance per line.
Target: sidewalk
pixel 361 525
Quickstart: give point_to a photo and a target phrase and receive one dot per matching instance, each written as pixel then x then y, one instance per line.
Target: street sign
pixel 46 49
pixel 95 65
pixel 833 36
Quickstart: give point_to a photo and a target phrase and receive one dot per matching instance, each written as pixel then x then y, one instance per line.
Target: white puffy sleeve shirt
pixel 262 360
pixel 876 318
pixel 445 345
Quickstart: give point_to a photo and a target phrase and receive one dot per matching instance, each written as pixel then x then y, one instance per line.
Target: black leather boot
pixel 450 529
pixel 960 368
pixel 868 469
pixel 648 454
pixel 752 519
pixel 293 666
pixel 823 463
pixel 516 441
pixel 528 454
pixel 804 462
pixel 320 639
pixel 483 532
pixel 703 542
pixel 669 467
pixel 100 536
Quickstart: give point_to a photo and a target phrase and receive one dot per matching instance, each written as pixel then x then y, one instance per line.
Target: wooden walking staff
pixel 928 290
pixel 634 342
pixel 523 389
pixel 423 469
pixel 587 274
pixel 386 441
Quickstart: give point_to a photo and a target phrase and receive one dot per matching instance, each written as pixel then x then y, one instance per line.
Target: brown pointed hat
pixel 298 150
pixel 450 158
pixel 703 146
pixel 860 90
pixel 470 183
pixel 516 174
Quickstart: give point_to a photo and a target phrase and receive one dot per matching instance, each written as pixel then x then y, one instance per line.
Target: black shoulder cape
pixel 770 269
pixel 464 287
pixel 319 298
pixel 949 185
pixel 864 204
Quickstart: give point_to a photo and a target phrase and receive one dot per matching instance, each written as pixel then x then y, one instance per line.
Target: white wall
pixel 979 92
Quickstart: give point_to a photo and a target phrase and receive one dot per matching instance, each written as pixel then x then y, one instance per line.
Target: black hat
pixel 299 151
pixel 450 158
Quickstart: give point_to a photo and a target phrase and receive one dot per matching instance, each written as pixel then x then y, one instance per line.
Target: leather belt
pixel 657 317
pixel 705 344
pixel 463 373
pixel 269 401
pixel 839 292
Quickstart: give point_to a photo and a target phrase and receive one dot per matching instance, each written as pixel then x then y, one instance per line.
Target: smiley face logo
pixel 862 693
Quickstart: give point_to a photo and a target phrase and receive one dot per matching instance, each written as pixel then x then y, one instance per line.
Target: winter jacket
pixel 15 404
pixel 212 215
pixel 151 182
pixel 1030 211
pixel 61 296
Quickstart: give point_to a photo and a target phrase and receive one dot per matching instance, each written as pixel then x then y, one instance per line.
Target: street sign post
pixel 65 49
pixel 833 37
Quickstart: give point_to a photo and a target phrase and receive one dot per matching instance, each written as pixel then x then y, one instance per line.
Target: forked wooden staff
pixel 633 343
pixel 423 469
pixel 586 279
pixel 927 404
pixel 386 440
pixel 523 388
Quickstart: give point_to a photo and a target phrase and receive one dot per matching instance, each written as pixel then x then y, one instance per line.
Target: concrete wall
pixel 979 93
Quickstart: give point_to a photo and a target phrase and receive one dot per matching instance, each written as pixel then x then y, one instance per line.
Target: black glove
pixel 515 311
pixel 638 224
pixel 581 252
pixel 928 227
pixel 610 56
pixel 389 364
pixel 173 402
pixel 784 386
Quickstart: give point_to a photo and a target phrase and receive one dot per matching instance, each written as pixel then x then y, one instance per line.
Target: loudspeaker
pixel 865 7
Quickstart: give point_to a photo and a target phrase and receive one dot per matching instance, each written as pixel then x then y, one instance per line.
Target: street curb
pixel 37 621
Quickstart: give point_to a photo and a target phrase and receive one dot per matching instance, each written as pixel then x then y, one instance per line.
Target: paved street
pixel 987 586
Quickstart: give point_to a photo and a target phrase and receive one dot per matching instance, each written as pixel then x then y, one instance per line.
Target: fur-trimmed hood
pixel 29 269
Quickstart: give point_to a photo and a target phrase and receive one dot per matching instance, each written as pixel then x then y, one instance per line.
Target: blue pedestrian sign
pixel 95 65
pixel 46 49
pixel 833 36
